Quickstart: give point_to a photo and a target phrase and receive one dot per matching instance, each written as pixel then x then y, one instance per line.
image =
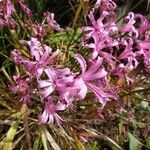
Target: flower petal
pixel 82 62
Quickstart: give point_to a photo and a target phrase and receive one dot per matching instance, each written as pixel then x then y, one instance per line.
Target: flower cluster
pixel 6 11
pixel 123 49
pixel 114 51
pixel 8 14
pixel 56 85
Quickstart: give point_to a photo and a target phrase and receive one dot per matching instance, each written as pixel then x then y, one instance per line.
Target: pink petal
pixel 81 86
pixel 82 62
pixel 44 117
pixel 52 57
pixel 60 107
pixel 98 75
pixel 44 83
pixel 97 4
pixel 45 93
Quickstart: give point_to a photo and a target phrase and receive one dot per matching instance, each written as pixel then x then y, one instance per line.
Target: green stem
pixel 6 75
pixel 77 14
pixel 5 105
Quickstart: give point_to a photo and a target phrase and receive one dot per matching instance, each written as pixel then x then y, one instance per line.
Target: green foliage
pixel 134 144
pixel 7 142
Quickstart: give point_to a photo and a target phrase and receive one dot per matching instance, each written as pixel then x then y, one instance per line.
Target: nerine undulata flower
pixel 6 11
pixel 102 35
pixel 129 27
pixel 50 113
pixel 86 80
pixel 128 56
pixel 114 51
pixel 8 8
pixel 40 56
pixel 60 80
pixel 25 8
pixel 108 5
pixel 124 46
pixel 49 17
pixel 21 87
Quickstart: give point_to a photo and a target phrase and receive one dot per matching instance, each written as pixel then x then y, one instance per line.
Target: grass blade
pixel 7 143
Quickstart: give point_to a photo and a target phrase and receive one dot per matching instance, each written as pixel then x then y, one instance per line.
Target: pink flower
pixel 60 80
pixel 144 24
pixel 129 25
pixel 46 86
pixel 88 77
pixel 37 50
pixel 108 5
pixel 16 56
pixel 101 33
pixel 50 114
pixel 8 8
pixel 25 8
pixel 6 11
pixel 40 56
pixel 128 55
pixel 144 50
pixel 49 17
pixel 21 86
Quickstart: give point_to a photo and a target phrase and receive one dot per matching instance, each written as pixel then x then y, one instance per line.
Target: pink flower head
pixel 129 25
pixel 128 55
pixel 49 17
pixel 144 24
pixel 21 86
pixel 16 56
pixel 60 80
pixel 108 5
pixel 37 50
pixel 40 56
pixel 50 114
pixel 144 50
pixel 46 86
pixel 64 85
pixel 25 8
pixel 6 11
pixel 88 77
pixel 8 8
pixel 101 33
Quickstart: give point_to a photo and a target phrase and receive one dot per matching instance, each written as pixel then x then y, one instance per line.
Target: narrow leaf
pixel 7 142
pixel 134 144
pixel 44 140
pixel 36 144
pixel 51 140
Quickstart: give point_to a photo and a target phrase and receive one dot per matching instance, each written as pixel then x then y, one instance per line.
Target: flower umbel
pixel 50 114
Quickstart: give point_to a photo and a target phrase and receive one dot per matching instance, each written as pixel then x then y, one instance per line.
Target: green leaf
pixel 113 144
pixel 36 144
pixel 51 140
pixel 148 142
pixel 134 144
pixel 44 140
pixel 7 142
